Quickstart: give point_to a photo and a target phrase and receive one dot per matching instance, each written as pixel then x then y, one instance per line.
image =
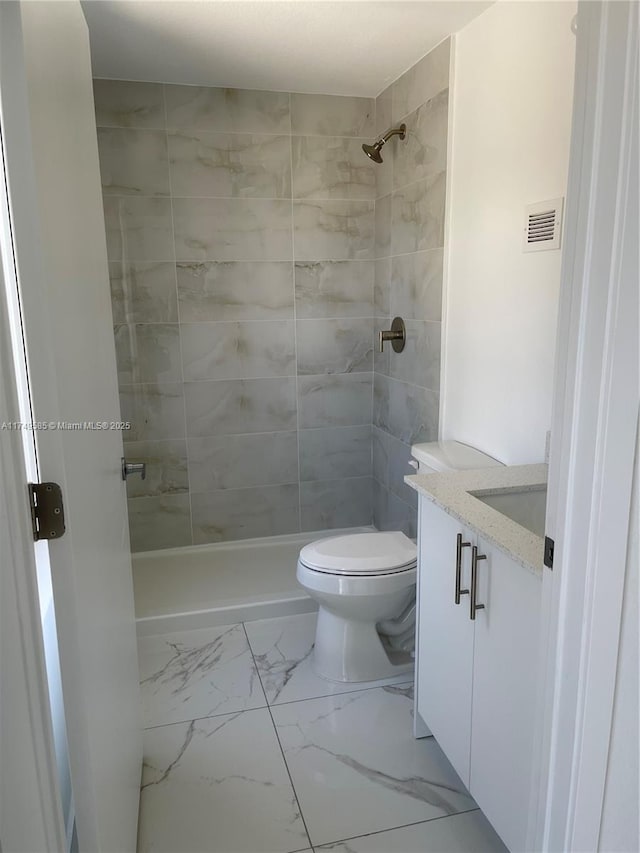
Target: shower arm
pixel 395 131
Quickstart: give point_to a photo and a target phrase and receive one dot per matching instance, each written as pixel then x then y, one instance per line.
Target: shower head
pixel 373 151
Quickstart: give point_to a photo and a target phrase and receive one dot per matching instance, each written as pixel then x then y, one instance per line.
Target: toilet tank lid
pixel 360 553
pixel 451 456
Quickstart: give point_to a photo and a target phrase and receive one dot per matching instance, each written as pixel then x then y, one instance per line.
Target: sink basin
pixel 525 508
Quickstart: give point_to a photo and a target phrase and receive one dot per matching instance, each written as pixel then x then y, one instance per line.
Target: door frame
pixel 31 812
pixel 594 437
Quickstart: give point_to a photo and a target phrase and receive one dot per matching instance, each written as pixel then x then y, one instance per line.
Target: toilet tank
pixel 436 456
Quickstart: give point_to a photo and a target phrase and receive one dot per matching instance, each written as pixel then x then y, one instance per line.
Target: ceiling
pixel 348 47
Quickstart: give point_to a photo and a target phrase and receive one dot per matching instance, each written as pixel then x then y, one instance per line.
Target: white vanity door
pixel 445 650
pixel 504 692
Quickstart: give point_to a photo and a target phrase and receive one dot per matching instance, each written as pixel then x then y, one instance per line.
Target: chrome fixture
pixel 129 468
pixel 373 151
pixel 397 334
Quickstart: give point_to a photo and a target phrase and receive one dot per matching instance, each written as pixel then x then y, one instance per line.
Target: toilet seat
pixel 361 554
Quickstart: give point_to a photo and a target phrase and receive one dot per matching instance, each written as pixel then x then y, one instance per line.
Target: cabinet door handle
pixel 459 546
pixel 474 606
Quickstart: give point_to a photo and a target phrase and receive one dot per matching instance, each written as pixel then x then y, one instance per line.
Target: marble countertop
pixel 451 492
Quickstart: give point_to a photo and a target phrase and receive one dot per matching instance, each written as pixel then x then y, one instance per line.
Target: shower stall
pixel 255 254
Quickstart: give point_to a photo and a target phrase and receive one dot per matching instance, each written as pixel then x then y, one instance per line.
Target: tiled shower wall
pixel 240 235
pixel 409 240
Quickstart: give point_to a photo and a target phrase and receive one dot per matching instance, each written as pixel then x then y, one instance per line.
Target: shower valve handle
pixel 397 334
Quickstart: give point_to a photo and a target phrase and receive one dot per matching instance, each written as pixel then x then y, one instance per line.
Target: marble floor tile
pixel 218 785
pixel 470 832
pixel 283 649
pixel 357 769
pixel 197 674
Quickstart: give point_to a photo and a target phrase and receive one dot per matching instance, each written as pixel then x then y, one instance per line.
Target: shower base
pixel 180 589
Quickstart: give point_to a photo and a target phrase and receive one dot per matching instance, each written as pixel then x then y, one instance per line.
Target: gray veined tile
pixel 143 292
pixel 381 287
pixel 332 115
pixel 424 150
pixel 334 289
pixel 235 229
pixel 238 350
pixel 242 461
pixel 417 216
pixel 283 652
pixel 138 229
pixel 331 167
pixel 217 109
pixel 469 832
pixel 384 110
pixel 391 513
pixel 381 359
pixel 334 346
pixel 192 674
pixel 240 406
pixel 422 81
pixel 235 290
pixel 244 513
pixel 333 230
pixel 419 363
pixel 416 286
pixel 230 164
pixel 380 453
pixel 125 103
pixel 351 780
pixel 383 227
pixel 399 455
pixel 329 454
pixel 335 400
pixel 408 412
pixel 148 352
pixel 166 471
pixel 133 162
pixel 159 522
pixel 155 411
pixel 218 785
pixel 327 504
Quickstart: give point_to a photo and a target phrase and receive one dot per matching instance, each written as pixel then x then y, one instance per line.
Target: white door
pixel 51 163
pixel 445 650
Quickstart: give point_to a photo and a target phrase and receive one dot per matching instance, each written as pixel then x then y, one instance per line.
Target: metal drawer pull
pixel 475 557
pixel 459 546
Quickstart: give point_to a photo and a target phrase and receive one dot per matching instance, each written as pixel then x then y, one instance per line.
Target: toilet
pixel 365 586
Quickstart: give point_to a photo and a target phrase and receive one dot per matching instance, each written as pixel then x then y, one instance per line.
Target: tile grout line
pixel 394 828
pixel 275 731
pixel 175 272
pixel 295 322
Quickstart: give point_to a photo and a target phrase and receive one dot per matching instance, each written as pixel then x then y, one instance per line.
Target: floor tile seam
pixel 336 695
pixel 277 736
pixel 208 717
pixel 319 847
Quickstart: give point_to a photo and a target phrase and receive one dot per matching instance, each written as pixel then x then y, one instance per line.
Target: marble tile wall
pixel 241 241
pixel 409 240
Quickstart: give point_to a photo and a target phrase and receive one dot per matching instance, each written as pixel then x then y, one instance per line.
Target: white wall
pixel 512 97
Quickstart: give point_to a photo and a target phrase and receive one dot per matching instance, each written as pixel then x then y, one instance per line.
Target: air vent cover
pixel 543 226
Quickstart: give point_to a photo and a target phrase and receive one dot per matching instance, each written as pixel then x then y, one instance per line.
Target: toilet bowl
pixel 365 583
pixel 359 581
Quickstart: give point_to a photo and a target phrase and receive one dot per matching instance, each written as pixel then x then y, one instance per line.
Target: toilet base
pixel 347 650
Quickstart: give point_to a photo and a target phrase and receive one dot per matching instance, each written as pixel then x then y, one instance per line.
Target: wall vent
pixel 542 226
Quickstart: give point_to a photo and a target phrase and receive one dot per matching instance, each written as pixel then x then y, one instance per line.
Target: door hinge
pixel 47 510
pixel 549 545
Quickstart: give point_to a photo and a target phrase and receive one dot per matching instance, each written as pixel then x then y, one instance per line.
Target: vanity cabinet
pixel 477 678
